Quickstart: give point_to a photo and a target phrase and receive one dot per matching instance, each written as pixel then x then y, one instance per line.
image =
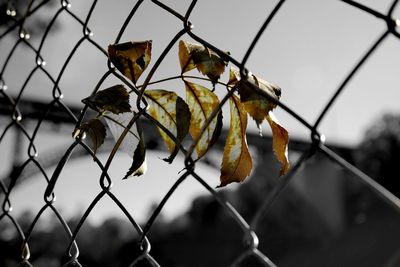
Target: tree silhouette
pixel 379 153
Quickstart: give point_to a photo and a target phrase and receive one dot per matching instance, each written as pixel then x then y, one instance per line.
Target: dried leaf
pixel 114 99
pixel 205 60
pixel 236 161
pixel 131 58
pixel 234 76
pixel 280 141
pixel 138 166
pixel 117 124
pixel 202 102
pixel 96 131
pixel 133 143
pixel 260 108
pixel 173 113
pixel 183 116
pixel 257 105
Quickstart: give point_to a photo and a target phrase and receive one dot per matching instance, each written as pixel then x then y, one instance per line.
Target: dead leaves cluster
pixel 198 115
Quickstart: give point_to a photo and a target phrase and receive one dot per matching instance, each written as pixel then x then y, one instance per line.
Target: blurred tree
pixel 12 11
pixel 379 152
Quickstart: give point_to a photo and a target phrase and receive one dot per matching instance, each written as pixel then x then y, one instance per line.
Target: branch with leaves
pixel 199 115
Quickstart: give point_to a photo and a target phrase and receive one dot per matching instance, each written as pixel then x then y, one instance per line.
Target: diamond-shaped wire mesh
pixel 27 117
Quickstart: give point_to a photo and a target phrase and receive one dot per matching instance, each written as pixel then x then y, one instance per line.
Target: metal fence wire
pixel 16 111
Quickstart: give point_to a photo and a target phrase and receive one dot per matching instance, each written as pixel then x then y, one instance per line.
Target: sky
pixel 307 50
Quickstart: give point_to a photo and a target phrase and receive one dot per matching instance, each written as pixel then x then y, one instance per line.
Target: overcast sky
pixel 308 49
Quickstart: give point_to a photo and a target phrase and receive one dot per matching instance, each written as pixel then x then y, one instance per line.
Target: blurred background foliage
pixel 293 233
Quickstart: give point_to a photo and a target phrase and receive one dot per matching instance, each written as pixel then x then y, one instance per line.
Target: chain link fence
pixel 27 117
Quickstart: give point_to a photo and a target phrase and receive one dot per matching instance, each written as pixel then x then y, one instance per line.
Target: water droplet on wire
pixel 260 131
pixel 11 12
pixel 3 86
pixel 88 32
pixel 40 62
pixel 24 35
pixel 65 3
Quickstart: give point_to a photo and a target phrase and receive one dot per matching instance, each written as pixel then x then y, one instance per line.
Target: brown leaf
pixel 257 105
pixel 96 131
pixel 280 142
pixel 114 99
pixel 260 108
pixel 205 60
pixel 202 102
pixel 183 117
pixel 234 76
pixel 173 113
pixel 131 58
pixel 236 161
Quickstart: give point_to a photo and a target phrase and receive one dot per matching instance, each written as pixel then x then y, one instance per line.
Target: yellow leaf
pixel 173 113
pixel 205 60
pixel 131 58
pixel 257 105
pixel 202 102
pixel 280 141
pixel 234 76
pixel 236 161
pixel 260 108
pixel 185 58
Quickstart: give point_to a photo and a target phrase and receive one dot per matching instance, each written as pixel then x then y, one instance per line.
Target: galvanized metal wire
pixel 14 107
